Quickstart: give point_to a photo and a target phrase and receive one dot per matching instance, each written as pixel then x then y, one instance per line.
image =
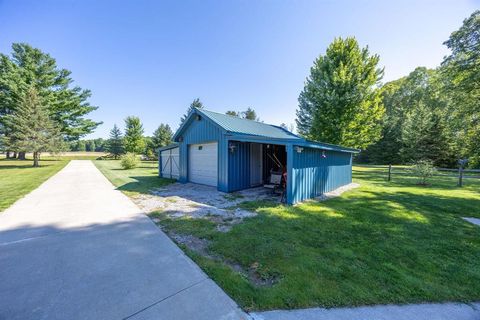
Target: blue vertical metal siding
pixel 312 175
pixel 239 166
pixel 309 174
pixel 204 131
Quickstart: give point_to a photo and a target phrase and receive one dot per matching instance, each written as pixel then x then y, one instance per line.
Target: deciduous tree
pixel 341 101
pixel 461 73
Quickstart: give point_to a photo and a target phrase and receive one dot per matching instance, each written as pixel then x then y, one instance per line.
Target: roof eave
pixel 170 146
pixel 240 136
pixel 326 146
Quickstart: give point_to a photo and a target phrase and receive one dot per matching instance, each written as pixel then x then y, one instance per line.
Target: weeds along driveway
pixel 76 248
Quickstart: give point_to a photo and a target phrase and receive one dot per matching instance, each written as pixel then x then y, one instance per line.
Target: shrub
pixel 129 161
pixel 423 169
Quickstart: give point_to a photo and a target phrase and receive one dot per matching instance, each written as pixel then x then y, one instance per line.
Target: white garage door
pixel 170 160
pixel 202 163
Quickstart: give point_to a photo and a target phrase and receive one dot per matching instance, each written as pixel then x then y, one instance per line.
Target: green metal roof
pixel 249 129
pixel 238 125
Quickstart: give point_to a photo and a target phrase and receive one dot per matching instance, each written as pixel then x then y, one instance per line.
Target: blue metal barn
pixel 232 154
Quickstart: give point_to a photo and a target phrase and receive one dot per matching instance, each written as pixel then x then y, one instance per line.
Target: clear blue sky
pixel 152 58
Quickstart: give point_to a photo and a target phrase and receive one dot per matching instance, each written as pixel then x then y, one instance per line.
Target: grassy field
pixel 17 178
pixel 134 181
pixel 385 242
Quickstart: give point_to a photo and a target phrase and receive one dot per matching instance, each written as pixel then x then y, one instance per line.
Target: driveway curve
pixel 76 248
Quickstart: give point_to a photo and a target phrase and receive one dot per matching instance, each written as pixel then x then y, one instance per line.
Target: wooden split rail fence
pixel 459 173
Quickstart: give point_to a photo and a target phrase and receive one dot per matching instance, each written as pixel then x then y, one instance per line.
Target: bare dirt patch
pixel 254 273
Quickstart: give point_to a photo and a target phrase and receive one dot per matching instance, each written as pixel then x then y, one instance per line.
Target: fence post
pixel 389 172
pixel 460 175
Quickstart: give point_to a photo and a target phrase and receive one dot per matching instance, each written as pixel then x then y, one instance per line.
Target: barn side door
pixel 256 162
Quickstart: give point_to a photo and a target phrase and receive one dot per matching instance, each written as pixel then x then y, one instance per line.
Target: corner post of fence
pixel 460 175
pixel 389 172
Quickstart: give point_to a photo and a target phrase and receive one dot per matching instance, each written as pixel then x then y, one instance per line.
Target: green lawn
pixel 134 181
pixel 17 178
pixel 385 242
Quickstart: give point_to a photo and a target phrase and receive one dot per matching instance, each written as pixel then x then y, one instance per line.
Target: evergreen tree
pixel 162 136
pixel 134 141
pixel 250 114
pixel 196 104
pixel 341 102
pixel 232 113
pixel 424 137
pixel 32 128
pixel 67 105
pixel 415 123
pixel 114 144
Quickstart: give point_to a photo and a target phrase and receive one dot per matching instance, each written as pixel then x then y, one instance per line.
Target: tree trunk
pixel 36 158
pixel 8 155
pixel 14 155
pixel 21 155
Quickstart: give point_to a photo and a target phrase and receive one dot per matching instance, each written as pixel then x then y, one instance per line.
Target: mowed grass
pixel 133 181
pixel 18 178
pixel 385 242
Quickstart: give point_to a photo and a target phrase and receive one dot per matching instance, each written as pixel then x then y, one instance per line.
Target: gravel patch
pixel 199 201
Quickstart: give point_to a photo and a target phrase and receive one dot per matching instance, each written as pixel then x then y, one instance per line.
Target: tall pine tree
pixel 162 136
pixel 114 144
pixel 67 104
pixel 196 104
pixel 134 141
pixel 33 130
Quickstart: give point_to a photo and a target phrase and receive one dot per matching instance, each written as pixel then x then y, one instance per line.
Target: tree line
pixel 132 140
pixel 430 115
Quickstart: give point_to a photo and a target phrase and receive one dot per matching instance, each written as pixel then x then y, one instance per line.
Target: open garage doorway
pixel 265 159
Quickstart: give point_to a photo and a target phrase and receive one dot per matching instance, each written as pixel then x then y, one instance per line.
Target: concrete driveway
pixel 75 248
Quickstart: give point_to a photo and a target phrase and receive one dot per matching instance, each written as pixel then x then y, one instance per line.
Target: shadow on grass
pixel 139 167
pixel 6 167
pixel 27 165
pixel 436 182
pixel 370 247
